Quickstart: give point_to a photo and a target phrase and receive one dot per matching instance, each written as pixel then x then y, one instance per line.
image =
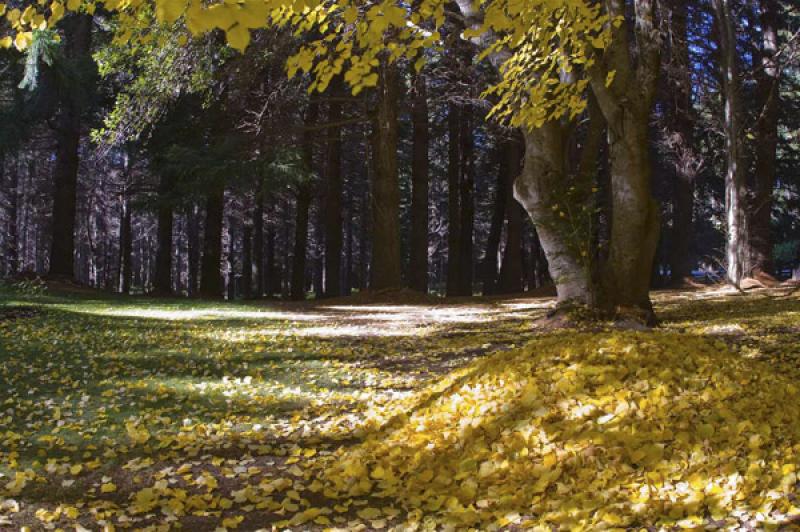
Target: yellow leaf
pixel 232 522
pixel 369 513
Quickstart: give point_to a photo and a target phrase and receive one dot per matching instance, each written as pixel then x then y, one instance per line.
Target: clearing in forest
pixel 134 413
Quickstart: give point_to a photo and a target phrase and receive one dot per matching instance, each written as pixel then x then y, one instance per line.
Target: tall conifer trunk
pixel 304 196
pixel 77 47
pixel 211 284
pixel 768 81
pixel 385 207
pixel 418 267
pixel 163 275
pixel 333 196
pixel 737 245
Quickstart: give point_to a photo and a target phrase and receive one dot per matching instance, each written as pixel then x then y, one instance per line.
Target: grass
pixel 135 412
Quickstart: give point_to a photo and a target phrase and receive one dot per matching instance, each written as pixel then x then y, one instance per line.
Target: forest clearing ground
pixel 137 412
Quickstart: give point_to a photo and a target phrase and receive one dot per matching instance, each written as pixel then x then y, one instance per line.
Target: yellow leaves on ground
pixel 592 430
pixel 238 418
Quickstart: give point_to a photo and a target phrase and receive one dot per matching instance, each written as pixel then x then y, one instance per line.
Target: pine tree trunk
pixel 682 144
pixel 454 233
pixel 77 47
pixel 247 263
pixel 303 205
pixel 467 202
pixel 386 258
pixel 766 139
pixel 500 205
pixel 258 241
pixel 273 281
pixel 418 266
pixel 12 244
pixel 193 249
pixel 211 284
pixel 737 248
pixel 125 246
pixel 231 286
pixel 163 274
pixel 298 288
pixel 333 197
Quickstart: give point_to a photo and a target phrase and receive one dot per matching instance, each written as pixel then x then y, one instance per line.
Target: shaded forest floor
pixel 133 413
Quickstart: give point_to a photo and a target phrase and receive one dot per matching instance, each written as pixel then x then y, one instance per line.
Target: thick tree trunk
pixel 78 34
pixel 635 220
pixel 511 272
pixel 766 140
pixel 454 233
pixel 418 266
pixel 333 197
pixel 626 104
pixel 489 268
pixel 737 248
pixel 163 275
pixel 543 175
pixel 211 283
pixel 386 258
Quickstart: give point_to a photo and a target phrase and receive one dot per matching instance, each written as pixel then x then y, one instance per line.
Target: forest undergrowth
pixel 134 413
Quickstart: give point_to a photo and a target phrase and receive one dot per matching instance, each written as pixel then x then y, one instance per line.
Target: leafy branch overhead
pixel 546 45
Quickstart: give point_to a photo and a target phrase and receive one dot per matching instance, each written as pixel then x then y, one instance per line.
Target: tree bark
pixel 231 287
pixel 681 143
pixel 163 274
pixel 489 270
pixel 386 257
pixel 626 104
pixel 333 197
pixel 543 175
pixel 258 240
pixel 454 233
pixel 211 283
pixel 247 262
pixel 125 246
pixel 272 281
pixel 737 245
pixel 12 244
pixel 298 288
pixel 77 47
pixel 768 81
pixel 193 249
pixel 466 202
pixel 420 168
pixel 304 197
